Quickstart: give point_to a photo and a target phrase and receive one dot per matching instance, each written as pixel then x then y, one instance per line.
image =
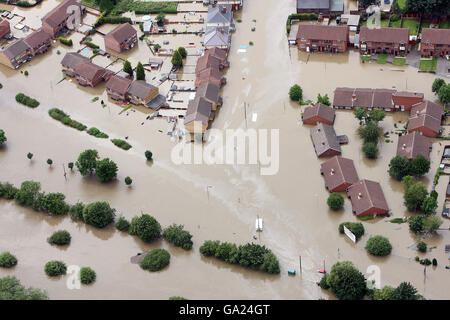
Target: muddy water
pixel 292 203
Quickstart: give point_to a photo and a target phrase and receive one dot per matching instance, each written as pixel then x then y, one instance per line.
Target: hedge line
pixel 26 100
pixel 121 144
pixel 64 118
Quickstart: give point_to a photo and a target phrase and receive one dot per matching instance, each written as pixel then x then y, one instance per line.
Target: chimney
pixel 224 9
pixel 332 171
pixel 353 97
pixel 359 195
pixel 404 146
pixel 222 31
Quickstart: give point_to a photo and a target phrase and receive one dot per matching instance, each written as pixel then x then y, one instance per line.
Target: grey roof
pixel 324 138
pixel 140 89
pixel 16 48
pixel 336 6
pixel 217 36
pixel 220 14
pixel 72 60
pixel 198 109
pixel 209 91
pixel 156 102
pixel 313 4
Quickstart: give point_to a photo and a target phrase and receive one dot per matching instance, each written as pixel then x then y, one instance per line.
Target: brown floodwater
pixel 213 202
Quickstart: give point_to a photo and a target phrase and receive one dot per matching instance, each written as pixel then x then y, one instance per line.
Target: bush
pixel 60 238
pixel 209 248
pixel 11 289
pixel 178 237
pixel 53 203
pixel 378 246
pixel 67 42
pixel 99 214
pixel 416 224
pixel 76 211
pixel 434 262
pixel 87 275
pixel 7 260
pixel 324 282
pixel 145 227
pixel 97 133
pixel 370 150
pixel 23 99
pixel 55 268
pixel 116 20
pixel 415 195
pixel 91 45
pixel 296 93
pixel 177 298
pixel 422 246
pixel 62 117
pixel 8 191
pixel 121 144
pixel 128 181
pixel 156 260
pixel 2 137
pixel 148 155
pixel 182 52
pixel 106 170
pixel 122 224
pixel 346 282
pixel 335 201
pixel 356 228
pixel 87 161
pixel 28 193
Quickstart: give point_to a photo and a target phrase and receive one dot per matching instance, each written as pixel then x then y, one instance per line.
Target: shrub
pixel 156 260
pixel 29 155
pixel 335 201
pixel 356 228
pixel 145 227
pixel 370 150
pixel 28 193
pixel 177 298
pixel 209 248
pixel 11 289
pixel 432 223
pixel 23 99
pixel 87 275
pixel 148 155
pixel 87 161
pixel 121 144
pixel 416 224
pixel 91 45
pixel 182 52
pixel 106 170
pixel 2 137
pixel 128 181
pixel 378 246
pixel 67 42
pixel 415 195
pixel 384 294
pixel 178 237
pixel 346 282
pixel 122 224
pixel 62 117
pixel 324 283
pixel 8 191
pixel 422 246
pixel 60 238
pixel 296 93
pixel 434 262
pixel 99 214
pixel 97 133
pixel 55 268
pixel 76 211
pixel 7 260
pixel 53 203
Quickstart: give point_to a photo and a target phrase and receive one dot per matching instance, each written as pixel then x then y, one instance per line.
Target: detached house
pixel 123 37
pixel 89 74
pixel 38 41
pixel 321 38
pixel 413 144
pixel 435 42
pixel 61 17
pixel 220 16
pixel 143 93
pixel 325 141
pixel 117 87
pixel 15 54
pixel 217 37
pixel 71 61
pixel 384 40
pixel 426 118
pixel 318 113
pixel 367 198
pixel 5 28
pixel 339 174
pixel 198 115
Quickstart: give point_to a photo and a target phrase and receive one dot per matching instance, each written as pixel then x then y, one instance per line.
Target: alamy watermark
pixel 374 18
pixel 73 280
pixel 373 277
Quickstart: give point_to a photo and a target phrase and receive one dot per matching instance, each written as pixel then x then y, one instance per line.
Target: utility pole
pixel 245 114
pixel 300 259
pixel 207 191
pixel 65 174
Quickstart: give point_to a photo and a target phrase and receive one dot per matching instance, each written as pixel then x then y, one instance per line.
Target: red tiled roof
pixel 89 70
pixel 4 28
pixel 436 36
pixel 58 14
pixel 394 35
pixel 424 120
pixel 321 32
pixel 207 61
pixel 413 144
pixel 320 110
pixel 122 32
pixel 37 38
pixel 218 53
pixel 363 97
pixel 429 108
pixel 338 171
pixel 118 84
pixel 365 195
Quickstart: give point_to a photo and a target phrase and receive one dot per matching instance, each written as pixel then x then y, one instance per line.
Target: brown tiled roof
pixel 208 90
pixel 413 144
pixel 320 110
pixel 122 32
pixel 37 38
pixel 338 171
pixel 209 75
pixel 207 61
pixel 436 36
pixel 408 94
pixel 363 97
pixel 322 32
pixel 382 98
pixel 394 35
pixel 324 138
pixel 424 120
pixel 198 109
pixel 140 89
pixel 218 53
pixel 72 59
pixel 366 194
pixel 16 48
pixel 429 108
pixel 4 28
pixel 58 14
pixel 89 70
pixel 118 84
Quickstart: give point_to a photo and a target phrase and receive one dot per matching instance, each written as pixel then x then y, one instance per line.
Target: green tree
pixel 177 59
pixel 422 246
pixel 437 84
pixel 182 52
pixel 356 228
pixel 296 93
pixel 106 5
pixel 346 282
pixel 324 282
pixel 384 294
pixel 335 201
pixel 416 223
pixel 378 246
pixel 178 237
pixel 128 181
pixel 160 18
pixel 53 203
pixel 429 205
pixel 87 161
pixel 444 94
pixel 146 227
pixel 360 113
pixel 405 291
pixel 228 252
pixel 399 167
pixel 70 165
pixel 415 195
pixel 323 99
pixel 140 72
pixel 106 170
pixel 122 224
pixel 76 211
pixel 420 165
pixel 432 223
pixel 369 132
pixel 28 193
pixel 127 67
pixel 370 150
pixel 55 268
pixel 7 260
pixel 377 115
pixel 87 275
pixel 408 181
pixel 148 155
pixel 11 289
pixel 29 155
pixel 156 260
pixel 209 248
pixel 99 214
pixel 2 137
pixel 60 238
pixel 270 263
pixel 49 162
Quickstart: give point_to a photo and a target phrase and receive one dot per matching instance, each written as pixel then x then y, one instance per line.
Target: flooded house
pixel 220 54
pixel 322 38
pixel 61 18
pixel 339 174
pixel 210 75
pixel 350 98
pixel 404 100
pixel 210 92
pixel 325 7
pixel 15 54
pixel 143 93
pixel 367 198
pixel 5 28
pixel 38 41
pixel 217 37
pixel 426 119
pixel 89 74
pixel 220 16
pixel 121 38
pixel 319 113
pixel 236 5
pixel 413 144
pixel 209 61
pixel 198 115
pixel 393 41
pixel 325 141
pixel 435 42
pixel 117 87
pixel 70 62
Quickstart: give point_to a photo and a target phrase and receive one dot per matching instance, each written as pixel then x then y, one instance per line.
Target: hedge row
pixel 97 133
pixel 141 7
pixel 121 144
pixel 301 17
pixel 59 115
pixel 67 42
pixel 26 100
